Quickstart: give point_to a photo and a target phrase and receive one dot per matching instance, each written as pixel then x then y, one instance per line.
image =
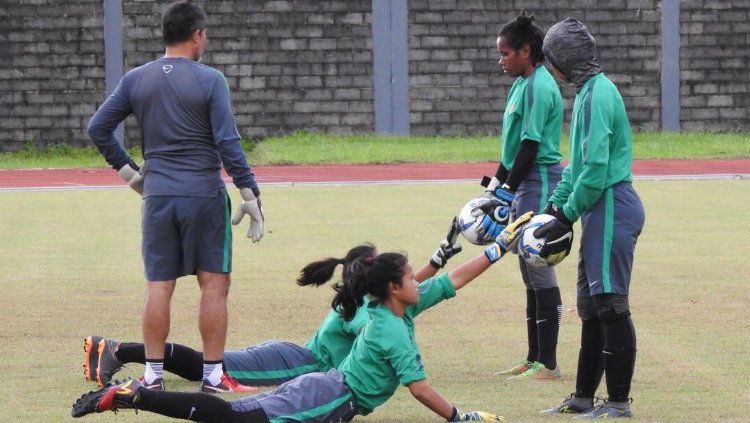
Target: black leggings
pixel 195 406
pixel 178 359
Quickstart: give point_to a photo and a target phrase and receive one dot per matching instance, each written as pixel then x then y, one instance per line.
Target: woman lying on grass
pixel 384 356
pixel 271 362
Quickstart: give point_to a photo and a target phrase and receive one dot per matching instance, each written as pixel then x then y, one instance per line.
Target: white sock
pixel 212 371
pixel 154 370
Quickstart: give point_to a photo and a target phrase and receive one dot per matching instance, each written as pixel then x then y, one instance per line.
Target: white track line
pixel 724 176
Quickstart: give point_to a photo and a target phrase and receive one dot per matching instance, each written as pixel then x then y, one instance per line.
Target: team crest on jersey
pixel 167 68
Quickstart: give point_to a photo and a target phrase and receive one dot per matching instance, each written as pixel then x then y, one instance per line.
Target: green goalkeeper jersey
pixel 386 354
pixel 533 111
pixel 333 340
pixel 601 147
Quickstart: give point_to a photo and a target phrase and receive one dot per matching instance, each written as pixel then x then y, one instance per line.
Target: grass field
pixel 73 268
pixel 305 148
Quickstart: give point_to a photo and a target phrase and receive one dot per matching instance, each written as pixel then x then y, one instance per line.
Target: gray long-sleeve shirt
pixel 187 128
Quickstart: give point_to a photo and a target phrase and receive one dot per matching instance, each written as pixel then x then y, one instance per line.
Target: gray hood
pixel 570 48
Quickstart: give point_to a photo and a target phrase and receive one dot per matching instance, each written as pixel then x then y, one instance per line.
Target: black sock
pixel 619 357
pixel 590 364
pixel 531 328
pixel 178 359
pixel 131 352
pixel 548 315
pixel 195 406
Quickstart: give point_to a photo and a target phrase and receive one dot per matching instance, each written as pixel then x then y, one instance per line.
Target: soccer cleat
pixel 515 370
pixel 112 397
pixel 537 371
pixel 227 384
pixel 91 359
pixel 156 385
pixel 108 363
pixel 571 405
pixel 609 410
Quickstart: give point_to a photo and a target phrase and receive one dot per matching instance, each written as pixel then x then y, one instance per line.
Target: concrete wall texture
pixel 297 64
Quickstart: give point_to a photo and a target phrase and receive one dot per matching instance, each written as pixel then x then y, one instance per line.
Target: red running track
pixel 72 178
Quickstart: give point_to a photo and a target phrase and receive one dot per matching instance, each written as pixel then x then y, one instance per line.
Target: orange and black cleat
pixel 91 359
pixel 108 363
pixel 112 397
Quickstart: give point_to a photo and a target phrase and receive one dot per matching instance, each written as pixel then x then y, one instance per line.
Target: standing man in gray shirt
pixel 188 131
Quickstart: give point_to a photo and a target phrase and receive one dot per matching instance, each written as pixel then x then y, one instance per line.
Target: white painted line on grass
pixel 727 176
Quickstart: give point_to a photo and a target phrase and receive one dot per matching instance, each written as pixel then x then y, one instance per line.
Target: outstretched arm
pixel 468 271
pixel 427 395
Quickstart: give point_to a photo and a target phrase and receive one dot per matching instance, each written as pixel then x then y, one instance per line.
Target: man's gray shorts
pixel 314 397
pixel 182 235
pixel 270 363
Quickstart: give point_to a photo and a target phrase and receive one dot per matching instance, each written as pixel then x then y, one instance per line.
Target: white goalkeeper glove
pixel 250 206
pixel 449 247
pixel 130 173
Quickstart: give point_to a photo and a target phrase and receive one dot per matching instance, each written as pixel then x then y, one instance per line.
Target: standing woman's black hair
pixel 522 31
pixel 349 291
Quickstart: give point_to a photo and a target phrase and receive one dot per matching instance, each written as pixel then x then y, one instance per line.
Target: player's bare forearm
pixel 427 395
pixel 427 271
pixel 468 271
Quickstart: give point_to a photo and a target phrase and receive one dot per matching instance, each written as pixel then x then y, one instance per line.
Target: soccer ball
pixel 529 246
pixel 470 226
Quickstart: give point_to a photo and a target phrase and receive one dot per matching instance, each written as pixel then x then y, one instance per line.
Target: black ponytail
pixel 350 291
pixel 319 272
pixel 522 31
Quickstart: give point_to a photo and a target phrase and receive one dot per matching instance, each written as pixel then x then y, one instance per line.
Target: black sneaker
pixel 156 385
pixel 113 397
pixel 609 410
pixel 571 405
pixel 91 359
pixel 108 363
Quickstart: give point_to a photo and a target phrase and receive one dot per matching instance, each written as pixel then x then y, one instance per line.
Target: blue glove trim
pixel 505 195
pixel 491 228
pixel 494 252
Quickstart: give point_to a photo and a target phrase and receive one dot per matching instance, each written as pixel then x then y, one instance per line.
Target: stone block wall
pixel 301 65
pixel 714 63
pixel 457 85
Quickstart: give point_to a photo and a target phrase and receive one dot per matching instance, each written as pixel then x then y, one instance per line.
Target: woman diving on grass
pixel 384 355
pixel 272 362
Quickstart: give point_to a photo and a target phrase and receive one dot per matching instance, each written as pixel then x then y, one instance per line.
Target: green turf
pixel 305 148
pixel 72 268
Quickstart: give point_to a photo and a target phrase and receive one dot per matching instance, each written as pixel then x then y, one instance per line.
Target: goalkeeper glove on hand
pixel 558 232
pixel 494 190
pixel 496 215
pixel 449 247
pixel 251 206
pixel 490 184
pixel 475 416
pixel 130 173
pixel 508 238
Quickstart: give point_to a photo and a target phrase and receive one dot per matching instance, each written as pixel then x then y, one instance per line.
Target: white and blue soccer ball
pixel 529 246
pixel 471 226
